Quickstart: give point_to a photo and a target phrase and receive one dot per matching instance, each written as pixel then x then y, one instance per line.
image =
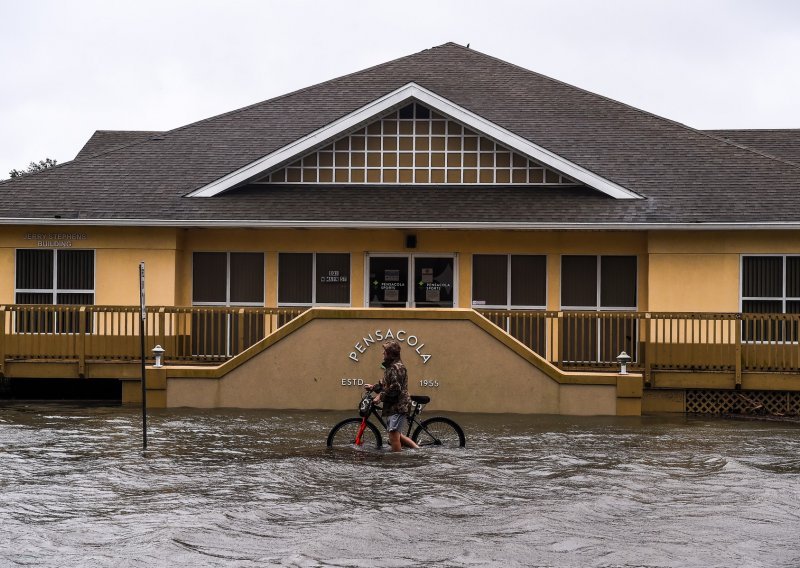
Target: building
pixel 426 188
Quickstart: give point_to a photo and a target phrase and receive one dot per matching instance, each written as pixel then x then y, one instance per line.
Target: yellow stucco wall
pixel 700 270
pixel 678 270
pixel 7 261
pixel 474 370
pixel 117 283
pixel 118 253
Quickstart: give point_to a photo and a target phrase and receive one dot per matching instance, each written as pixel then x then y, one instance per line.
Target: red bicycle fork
pixel 361 431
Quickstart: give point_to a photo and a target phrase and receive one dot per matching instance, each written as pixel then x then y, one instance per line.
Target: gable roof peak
pixel 395 99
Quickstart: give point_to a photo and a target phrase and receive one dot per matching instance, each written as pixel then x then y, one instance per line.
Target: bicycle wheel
pixel 439 431
pixel 343 435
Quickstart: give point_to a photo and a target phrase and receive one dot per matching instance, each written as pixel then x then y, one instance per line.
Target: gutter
pixel 441 225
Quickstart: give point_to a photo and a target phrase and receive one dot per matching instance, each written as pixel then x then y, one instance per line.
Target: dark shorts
pixel 396 422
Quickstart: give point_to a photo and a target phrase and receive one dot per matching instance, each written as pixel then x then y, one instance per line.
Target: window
pixel 509 281
pixel 616 276
pixel 594 283
pixel 410 280
pixel 770 285
pixel 416 145
pixel 513 282
pixel 228 279
pixel 54 277
pixel 314 279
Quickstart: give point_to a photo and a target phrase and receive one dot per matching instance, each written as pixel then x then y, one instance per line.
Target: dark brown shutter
pixel 762 306
pixel 209 277
pixel 489 280
pixel 793 276
pixel 333 278
pixel 34 298
pixel 528 280
pixel 295 274
pixel 247 277
pixel 75 299
pixel 75 270
pixel 762 277
pixel 618 282
pixel 34 269
pixel 579 281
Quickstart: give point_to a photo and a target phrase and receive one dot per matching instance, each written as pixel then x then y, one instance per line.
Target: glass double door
pixel 417 281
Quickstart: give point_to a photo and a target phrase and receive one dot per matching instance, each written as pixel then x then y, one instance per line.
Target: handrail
pixel 110 333
pixel 570 340
pixel 687 341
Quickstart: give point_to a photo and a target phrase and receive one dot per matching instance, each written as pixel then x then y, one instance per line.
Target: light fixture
pixel 623 359
pixel 158 353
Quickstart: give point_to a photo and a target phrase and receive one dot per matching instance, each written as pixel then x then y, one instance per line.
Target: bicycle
pixel 362 433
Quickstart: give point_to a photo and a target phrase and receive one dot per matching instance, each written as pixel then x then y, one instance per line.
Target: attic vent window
pixel 415 145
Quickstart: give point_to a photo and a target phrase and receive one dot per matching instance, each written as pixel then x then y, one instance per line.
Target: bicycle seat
pixel 421 399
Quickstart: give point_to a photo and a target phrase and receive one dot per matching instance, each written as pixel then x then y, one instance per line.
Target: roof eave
pixel 400 224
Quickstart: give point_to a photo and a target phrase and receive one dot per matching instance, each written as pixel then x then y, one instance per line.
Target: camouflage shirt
pixel 394 389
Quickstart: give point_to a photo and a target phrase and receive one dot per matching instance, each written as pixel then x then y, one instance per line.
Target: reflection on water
pixel 253 488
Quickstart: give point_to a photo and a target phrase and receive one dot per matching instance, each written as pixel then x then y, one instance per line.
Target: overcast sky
pixel 70 68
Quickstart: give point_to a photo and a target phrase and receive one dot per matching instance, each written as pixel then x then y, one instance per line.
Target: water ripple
pixel 256 488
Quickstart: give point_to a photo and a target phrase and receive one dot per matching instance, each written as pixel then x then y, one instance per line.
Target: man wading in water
pixel 393 393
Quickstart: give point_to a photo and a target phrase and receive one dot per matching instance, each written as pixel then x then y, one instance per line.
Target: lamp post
pixel 623 359
pixel 158 353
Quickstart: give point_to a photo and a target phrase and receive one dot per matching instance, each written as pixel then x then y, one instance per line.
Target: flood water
pixel 256 488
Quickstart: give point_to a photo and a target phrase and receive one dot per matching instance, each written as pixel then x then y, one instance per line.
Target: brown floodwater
pixel 255 488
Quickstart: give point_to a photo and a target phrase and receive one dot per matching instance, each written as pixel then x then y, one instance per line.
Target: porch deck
pixel 671 350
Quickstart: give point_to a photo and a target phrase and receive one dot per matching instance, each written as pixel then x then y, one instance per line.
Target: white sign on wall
pixel 401 336
pixel 55 240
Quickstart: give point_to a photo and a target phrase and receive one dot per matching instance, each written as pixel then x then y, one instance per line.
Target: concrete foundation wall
pixel 323 363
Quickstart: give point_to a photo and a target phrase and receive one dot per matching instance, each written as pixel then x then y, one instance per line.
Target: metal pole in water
pixel 142 322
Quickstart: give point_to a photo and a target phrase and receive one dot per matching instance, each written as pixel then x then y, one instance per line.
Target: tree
pixel 34 167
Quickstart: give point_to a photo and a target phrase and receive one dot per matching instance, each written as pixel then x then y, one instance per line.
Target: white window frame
pixel 314 302
pixel 783 298
pixel 508 305
pixel 410 302
pixel 597 307
pixel 227 302
pixel 55 290
pixel 448 150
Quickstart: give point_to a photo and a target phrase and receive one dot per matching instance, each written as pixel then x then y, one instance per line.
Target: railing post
pixel 162 324
pixel 240 332
pixel 738 350
pixel 2 340
pixel 558 354
pixel 645 348
pixel 82 342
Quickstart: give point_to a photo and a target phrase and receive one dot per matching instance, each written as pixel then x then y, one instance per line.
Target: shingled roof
pixel 105 140
pixel 687 177
pixel 783 144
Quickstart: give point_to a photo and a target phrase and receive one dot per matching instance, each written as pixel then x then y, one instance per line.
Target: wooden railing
pixel 730 342
pixel 111 333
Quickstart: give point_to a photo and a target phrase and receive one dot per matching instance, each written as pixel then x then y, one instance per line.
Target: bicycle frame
pixel 432 431
pixel 374 408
